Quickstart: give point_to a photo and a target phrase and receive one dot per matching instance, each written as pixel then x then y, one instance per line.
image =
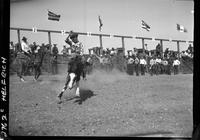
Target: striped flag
pixel 53 16
pixel 100 23
pixel 145 26
pixel 181 28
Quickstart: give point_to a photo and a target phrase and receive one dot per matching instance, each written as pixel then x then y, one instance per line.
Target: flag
pixel 181 28
pixel 100 23
pixel 145 26
pixel 53 16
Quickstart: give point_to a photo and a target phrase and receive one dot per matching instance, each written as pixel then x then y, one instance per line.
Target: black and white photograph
pixel 103 68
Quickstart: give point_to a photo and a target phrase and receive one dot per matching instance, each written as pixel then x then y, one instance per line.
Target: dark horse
pixel 22 61
pixel 75 70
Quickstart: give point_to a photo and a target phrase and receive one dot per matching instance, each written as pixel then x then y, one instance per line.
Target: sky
pixel 119 17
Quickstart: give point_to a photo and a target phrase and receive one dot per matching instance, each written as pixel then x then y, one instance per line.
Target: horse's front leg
pixel 77 89
pixel 20 73
pixel 64 88
pixel 37 72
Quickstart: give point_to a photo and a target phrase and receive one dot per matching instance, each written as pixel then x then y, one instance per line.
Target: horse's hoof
pixel 22 80
pixel 77 95
pixel 59 102
pixel 59 96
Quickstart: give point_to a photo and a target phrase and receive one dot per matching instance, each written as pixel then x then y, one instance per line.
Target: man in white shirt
pixel 176 63
pixel 142 65
pixel 152 65
pixel 130 65
pixel 158 65
pixel 25 47
pixel 136 65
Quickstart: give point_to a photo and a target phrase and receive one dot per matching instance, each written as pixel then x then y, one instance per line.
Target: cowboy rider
pixel 25 47
pixel 76 48
pixel 75 44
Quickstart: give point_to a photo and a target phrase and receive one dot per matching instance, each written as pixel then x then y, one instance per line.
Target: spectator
pixel 176 63
pixel 130 65
pixel 54 59
pixel 143 64
pixel 165 66
pixel 64 50
pixel 158 63
pixel 34 47
pixel 112 52
pixel 166 52
pixel 55 50
pixel 48 57
pixel 152 65
pixel 190 49
pixel 12 49
pixel 136 64
pixel 158 50
pixel 135 51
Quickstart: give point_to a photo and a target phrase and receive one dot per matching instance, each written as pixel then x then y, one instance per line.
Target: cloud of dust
pixel 107 77
pixel 97 75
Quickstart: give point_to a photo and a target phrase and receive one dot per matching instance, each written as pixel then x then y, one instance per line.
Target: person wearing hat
pixel 76 46
pixel 176 64
pixel 25 47
pixel 54 59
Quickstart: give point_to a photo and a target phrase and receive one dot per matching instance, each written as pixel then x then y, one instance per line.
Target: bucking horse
pixel 76 69
pixel 22 62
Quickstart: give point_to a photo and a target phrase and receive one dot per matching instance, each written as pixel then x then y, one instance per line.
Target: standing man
pixel 137 62
pixel 54 59
pixel 142 65
pixel 176 63
pixel 12 47
pixel 64 51
pixel 158 50
pixel 152 65
pixel 130 65
pixel 26 53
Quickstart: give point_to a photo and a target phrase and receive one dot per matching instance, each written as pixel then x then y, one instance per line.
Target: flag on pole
pixel 100 23
pixel 181 28
pixel 145 26
pixel 53 16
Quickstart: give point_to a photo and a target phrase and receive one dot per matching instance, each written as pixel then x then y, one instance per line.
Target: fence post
pixel 18 35
pixel 178 49
pixel 123 46
pixel 143 46
pixel 49 38
pixel 161 44
pixel 100 39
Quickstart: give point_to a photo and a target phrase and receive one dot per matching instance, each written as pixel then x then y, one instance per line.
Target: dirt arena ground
pixel 111 104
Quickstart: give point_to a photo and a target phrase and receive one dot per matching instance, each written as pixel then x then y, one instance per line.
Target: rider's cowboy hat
pixel 24 38
pixel 73 35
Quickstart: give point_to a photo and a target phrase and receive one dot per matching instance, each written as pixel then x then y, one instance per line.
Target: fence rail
pixel 102 35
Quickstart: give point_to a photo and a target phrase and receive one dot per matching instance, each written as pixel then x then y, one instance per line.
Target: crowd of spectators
pixel 136 62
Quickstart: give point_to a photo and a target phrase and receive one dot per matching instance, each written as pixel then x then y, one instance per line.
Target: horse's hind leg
pixel 20 73
pixel 77 89
pixel 37 72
